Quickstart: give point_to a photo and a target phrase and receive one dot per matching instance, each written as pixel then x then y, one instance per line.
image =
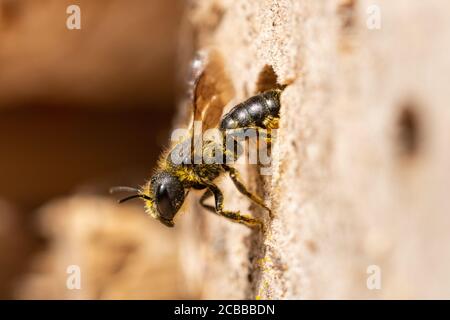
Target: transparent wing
pixel 212 90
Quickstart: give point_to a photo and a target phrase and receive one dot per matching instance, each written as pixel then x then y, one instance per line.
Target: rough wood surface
pixel 363 152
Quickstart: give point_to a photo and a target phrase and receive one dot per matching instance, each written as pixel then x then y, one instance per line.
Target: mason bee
pixel 172 180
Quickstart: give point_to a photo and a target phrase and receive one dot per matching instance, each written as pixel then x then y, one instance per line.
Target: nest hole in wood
pixel 408 129
pixel 267 80
pixel 346 11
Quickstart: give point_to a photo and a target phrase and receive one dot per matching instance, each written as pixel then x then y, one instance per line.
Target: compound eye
pixel 164 204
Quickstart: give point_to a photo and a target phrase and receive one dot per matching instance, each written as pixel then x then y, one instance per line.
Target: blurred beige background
pixel 81 110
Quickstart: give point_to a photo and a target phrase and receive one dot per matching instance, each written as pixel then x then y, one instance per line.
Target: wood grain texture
pixel 363 152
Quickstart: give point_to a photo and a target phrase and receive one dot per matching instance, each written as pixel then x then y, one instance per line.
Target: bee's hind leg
pixel 235 176
pixel 218 208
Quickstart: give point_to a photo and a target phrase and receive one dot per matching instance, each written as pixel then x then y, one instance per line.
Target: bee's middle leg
pixel 218 209
pixel 235 176
pixel 208 194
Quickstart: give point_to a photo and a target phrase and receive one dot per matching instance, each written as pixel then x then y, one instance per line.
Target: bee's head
pixel 167 195
pixel 163 195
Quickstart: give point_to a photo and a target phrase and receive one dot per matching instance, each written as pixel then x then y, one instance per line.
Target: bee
pixel 260 111
pixel 171 182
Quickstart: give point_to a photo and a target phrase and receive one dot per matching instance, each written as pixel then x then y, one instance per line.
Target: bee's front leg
pixel 218 208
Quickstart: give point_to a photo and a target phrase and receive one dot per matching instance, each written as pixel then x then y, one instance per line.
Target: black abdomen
pixel 253 111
